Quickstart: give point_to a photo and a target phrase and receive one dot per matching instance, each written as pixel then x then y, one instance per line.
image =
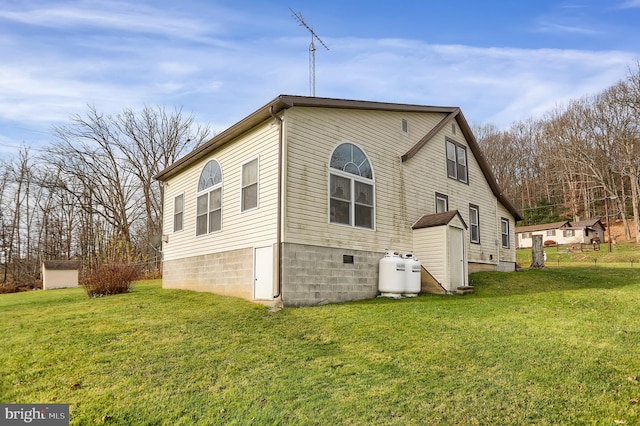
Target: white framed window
pixel 442 203
pixel 209 199
pixel 457 161
pixel 178 212
pixel 551 233
pixel 474 223
pixel 568 232
pixel 504 229
pixel 249 199
pixel 351 188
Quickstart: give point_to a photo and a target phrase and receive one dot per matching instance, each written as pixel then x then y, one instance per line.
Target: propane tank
pixel 391 278
pixel 412 276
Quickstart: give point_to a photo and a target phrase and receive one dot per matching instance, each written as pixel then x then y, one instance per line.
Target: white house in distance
pixel 297 202
pixel 561 233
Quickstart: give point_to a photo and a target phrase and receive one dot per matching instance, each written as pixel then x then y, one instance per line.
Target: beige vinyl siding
pixel 312 135
pixel 430 248
pixel 403 191
pixel 252 228
pixel 428 172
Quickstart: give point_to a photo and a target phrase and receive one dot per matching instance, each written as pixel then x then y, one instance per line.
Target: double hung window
pixel 442 203
pixel 504 228
pixel 250 185
pixel 351 188
pixel 474 223
pixel 209 199
pixel 178 212
pixel 457 161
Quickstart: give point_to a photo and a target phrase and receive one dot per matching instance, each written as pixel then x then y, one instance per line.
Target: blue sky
pixel 500 61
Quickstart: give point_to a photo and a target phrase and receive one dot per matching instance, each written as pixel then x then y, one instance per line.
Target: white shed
pixel 60 274
pixel 439 243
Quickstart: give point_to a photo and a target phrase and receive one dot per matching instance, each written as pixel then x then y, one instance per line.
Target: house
pixel 298 202
pixel 561 233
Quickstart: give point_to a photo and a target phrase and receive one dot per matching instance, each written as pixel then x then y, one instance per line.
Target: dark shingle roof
pixel 62 264
pixel 437 219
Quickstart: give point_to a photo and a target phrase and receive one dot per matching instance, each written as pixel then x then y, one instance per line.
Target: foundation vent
pixel 347 258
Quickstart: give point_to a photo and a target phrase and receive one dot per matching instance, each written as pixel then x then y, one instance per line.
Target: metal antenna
pixel 312 51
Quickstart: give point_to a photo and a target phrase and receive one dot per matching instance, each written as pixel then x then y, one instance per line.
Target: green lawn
pixel 544 347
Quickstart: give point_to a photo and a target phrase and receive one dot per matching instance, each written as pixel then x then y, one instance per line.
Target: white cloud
pixel 500 84
pixel 44 81
pixel 552 27
pixel 111 15
pixel 490 84
pixel 630 4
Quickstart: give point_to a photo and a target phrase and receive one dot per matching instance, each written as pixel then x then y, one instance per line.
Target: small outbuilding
pixel 60 274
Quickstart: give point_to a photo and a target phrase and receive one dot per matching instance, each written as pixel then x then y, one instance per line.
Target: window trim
pixel 445 198
pixel 207 192
pixel 175 213
pixel 243 186
pixel 504 220
pixel 457 148
pixel 473 207
pixel 353 178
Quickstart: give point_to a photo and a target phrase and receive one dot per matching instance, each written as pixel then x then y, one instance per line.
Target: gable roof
pixel 288 101
pixel 437 219
pixel 543 226
pixel 589 224
pixel 62 265
pixel 560 225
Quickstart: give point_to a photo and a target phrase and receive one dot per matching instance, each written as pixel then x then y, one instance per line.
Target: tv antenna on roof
pixel 312 51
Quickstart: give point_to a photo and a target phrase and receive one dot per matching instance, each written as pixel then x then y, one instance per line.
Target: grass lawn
pixel 544 347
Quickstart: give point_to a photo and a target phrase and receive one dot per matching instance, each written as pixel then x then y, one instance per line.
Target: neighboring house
pixel 298 202
pixel 561 233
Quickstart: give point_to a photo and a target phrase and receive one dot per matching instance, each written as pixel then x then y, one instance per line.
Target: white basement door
pixel 263 273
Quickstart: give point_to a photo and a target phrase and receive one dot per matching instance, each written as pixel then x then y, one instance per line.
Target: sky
pixel 501 61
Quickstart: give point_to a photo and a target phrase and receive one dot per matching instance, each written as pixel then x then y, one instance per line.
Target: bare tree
pixel 151 140
pixel 623 104
pixel 107 163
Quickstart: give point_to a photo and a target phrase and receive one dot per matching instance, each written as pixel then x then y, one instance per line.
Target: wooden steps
pixel 464 290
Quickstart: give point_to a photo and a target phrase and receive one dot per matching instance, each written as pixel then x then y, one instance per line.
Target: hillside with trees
pixel 576 161
pixel 90 194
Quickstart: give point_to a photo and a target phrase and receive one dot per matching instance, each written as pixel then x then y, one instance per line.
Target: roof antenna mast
pixel 312 51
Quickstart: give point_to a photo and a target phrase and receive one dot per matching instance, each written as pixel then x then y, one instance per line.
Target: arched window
pixel 351 187
pixel 209 201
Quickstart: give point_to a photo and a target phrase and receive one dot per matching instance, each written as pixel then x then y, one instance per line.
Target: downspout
pixel 279 208
pixel 499 235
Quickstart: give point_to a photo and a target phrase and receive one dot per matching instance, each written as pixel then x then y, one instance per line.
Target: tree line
pixel 90 193
pixel 579 161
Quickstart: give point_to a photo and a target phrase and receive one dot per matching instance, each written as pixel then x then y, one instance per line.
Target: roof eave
pixel 242 126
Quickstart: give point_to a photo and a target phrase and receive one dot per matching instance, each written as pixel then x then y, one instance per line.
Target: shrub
pixel 25 284
pixel 550 243
pixel 110 279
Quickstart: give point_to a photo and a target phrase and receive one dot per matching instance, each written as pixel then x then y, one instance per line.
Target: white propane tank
pixel 411 276
pixel 391 279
